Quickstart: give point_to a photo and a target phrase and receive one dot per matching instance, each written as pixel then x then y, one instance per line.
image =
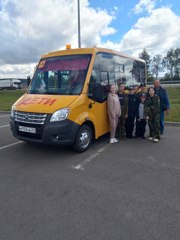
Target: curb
pixel 175 124
pixel 5 112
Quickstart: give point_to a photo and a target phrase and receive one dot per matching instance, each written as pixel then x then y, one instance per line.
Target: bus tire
pixel 83 139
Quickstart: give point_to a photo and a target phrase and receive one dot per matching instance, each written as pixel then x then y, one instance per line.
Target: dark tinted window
pixel 129 71
pixel 103 73
pixel 113 69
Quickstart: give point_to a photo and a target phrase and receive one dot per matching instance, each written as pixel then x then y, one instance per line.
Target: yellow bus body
pixel 82 109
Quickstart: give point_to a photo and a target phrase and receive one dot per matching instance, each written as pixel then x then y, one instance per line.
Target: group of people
pixel 129 112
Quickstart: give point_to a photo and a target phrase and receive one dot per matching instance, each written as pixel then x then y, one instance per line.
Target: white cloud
pixel 31 28
pixel 17 71
pixel 157 33
pixel 143 6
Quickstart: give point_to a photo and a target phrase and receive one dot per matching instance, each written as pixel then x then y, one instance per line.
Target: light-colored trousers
pixel 113 125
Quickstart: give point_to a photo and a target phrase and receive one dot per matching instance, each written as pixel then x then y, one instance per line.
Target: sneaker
pixel 150 138
pixel 112 140
pixel 156 140
pixel 115 140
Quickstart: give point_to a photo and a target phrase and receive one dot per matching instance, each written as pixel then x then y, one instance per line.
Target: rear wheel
pixel 83 139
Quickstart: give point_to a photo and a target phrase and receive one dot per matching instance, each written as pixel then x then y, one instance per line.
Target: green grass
pixel 8 97
pixel 174 97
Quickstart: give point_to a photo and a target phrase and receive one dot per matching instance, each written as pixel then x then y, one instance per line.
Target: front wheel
pixel 83 139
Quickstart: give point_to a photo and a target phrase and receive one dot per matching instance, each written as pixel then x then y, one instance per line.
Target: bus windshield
pixel 64 75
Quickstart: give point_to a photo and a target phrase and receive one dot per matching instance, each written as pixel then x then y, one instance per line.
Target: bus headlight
pixel 60 115
pixel 12 111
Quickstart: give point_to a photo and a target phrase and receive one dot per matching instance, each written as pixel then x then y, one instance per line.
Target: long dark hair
pixel 149 89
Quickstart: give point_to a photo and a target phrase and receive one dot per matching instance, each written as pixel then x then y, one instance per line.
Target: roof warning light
pixel 68 46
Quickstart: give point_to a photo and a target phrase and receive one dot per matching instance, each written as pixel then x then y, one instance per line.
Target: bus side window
pixel 102 75
pixel 96 91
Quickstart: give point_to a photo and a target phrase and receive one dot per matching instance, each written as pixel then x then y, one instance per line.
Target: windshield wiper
pixel 33 91
pixel 51 93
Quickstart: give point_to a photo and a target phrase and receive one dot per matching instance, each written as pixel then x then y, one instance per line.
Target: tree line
pixel 167 67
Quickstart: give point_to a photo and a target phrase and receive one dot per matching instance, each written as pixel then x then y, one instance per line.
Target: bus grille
pixel 29 117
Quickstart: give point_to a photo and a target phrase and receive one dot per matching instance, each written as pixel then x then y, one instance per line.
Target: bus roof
pixel 93 50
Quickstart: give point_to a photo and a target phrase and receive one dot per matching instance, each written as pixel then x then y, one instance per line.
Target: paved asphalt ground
pixel 125 191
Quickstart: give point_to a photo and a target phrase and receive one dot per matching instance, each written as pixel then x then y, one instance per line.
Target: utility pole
pixel 79 27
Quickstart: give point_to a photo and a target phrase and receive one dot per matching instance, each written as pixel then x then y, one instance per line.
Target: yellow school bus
pixel 65 103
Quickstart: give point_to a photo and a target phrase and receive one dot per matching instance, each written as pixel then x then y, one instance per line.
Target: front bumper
pixel 52 133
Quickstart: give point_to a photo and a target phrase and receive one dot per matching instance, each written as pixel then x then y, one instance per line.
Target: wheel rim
pixel 84 139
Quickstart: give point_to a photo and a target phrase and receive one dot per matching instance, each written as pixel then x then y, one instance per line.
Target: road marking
pixel 10 145
pixel 152 158
pixel 5 116
pixel 81 165
pixel 4 126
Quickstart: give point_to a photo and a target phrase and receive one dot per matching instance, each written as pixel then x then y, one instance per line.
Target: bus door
pixel 102 75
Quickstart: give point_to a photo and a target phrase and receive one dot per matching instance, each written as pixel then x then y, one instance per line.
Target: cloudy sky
pixel 30 28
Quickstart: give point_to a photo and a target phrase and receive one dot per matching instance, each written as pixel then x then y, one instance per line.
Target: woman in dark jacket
pixel 152 113
pixel 132 107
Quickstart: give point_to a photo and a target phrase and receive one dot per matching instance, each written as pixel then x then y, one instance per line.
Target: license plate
pixel 27 129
